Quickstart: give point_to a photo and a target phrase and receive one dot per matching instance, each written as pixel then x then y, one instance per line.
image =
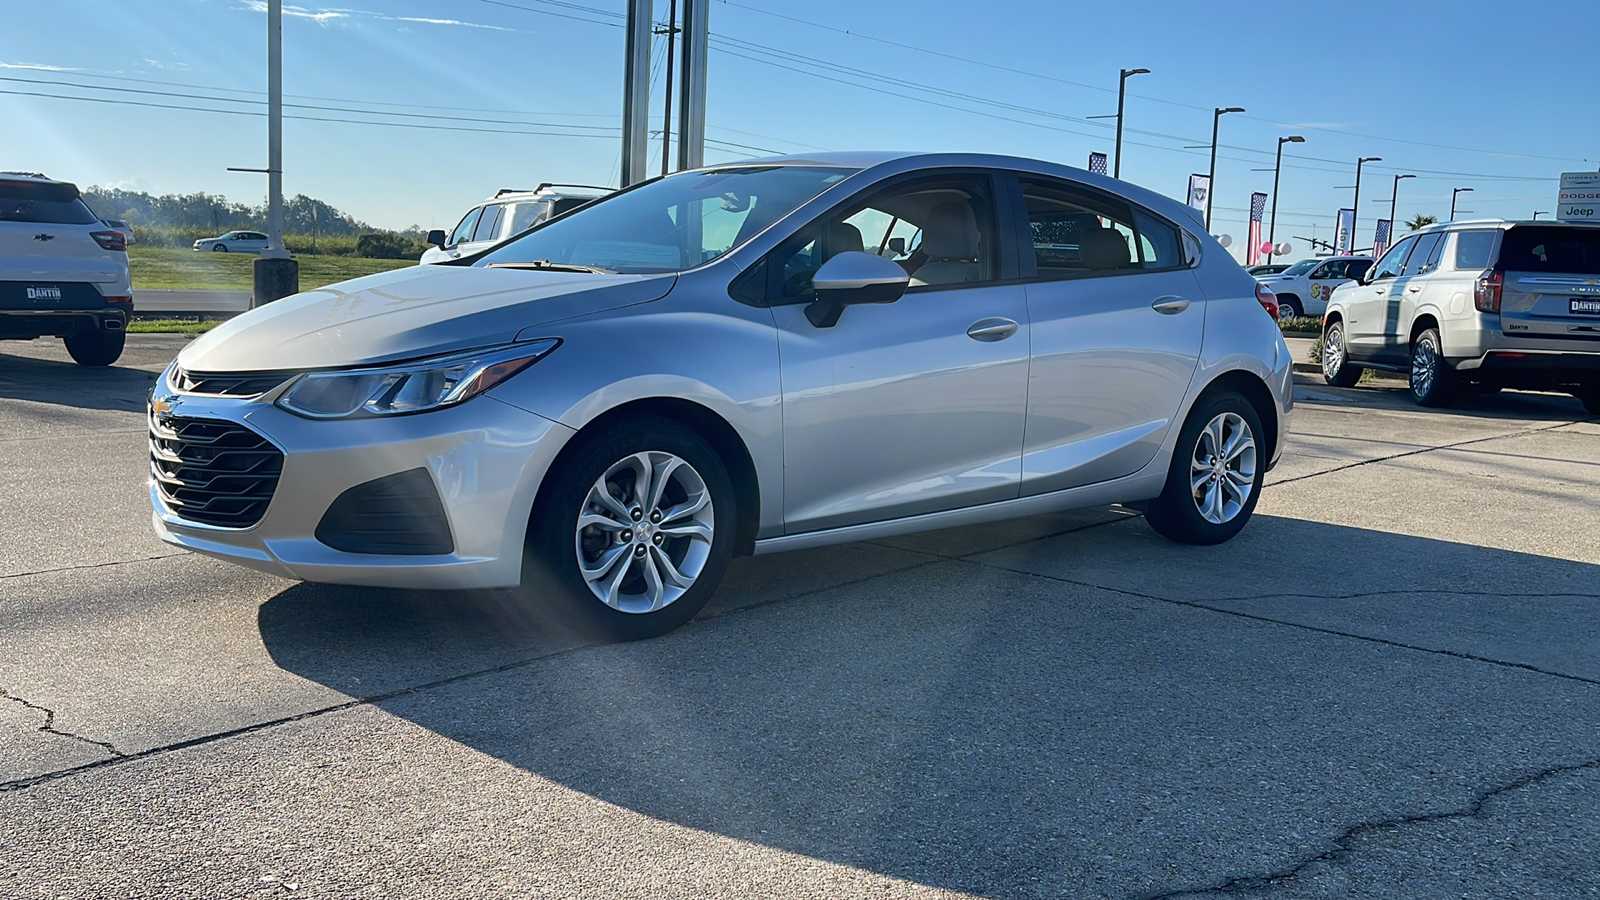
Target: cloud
pixel 37 68
pixel 445 22
pixel 321 17
pixel 165 66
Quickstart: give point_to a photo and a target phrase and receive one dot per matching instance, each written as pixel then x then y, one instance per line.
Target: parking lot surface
pixel 1387 685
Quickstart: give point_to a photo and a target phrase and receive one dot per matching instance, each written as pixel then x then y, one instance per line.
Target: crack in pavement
pixel 117 562
pixel 49 726
pixel 1341 844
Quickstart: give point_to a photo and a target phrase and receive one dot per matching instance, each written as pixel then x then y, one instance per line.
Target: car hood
pixel 409 313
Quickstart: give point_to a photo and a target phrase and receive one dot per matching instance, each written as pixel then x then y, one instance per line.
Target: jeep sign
pixel 1579 200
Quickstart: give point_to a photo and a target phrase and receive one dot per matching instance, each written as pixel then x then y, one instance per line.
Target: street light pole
pixel 1277 169
pixel 1355 210
pixel 1539 212
pixel 1392 199
pixel 1211 176
pixel 1122 91
pixel 1453 194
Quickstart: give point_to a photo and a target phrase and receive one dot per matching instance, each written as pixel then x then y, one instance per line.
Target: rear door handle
pixel 990 330
pixel 1170 305
pixel 1413 290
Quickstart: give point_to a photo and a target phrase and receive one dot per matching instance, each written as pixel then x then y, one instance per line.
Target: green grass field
pixel 158 267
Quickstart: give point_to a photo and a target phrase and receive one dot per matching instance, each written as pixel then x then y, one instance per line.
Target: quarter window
pixel 1474 249
pixel 524 216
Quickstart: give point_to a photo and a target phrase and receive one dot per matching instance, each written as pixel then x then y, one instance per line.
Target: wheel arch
pixel 1422 323
pixel 709 425
pixel 1254 390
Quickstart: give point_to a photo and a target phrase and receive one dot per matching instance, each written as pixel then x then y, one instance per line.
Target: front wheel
pixel 1432 379
pixel 1336 367
pixel 96 348
pixel 634 528
pixel 1215 476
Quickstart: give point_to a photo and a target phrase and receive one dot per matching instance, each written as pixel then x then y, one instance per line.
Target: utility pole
pixel 1355 205
pixel 1277 169
pixel 1211 178
pixel 666 115
pixel 692 85
pixel 1393 199
pixel 1453 195
pixel 636 94
pixel 274 274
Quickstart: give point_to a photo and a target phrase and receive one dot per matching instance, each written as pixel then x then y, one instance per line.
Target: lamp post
pixel 1277 169
pixel 1540 212
pixel 1392 198
pixel 1122 91
pixel 1211 176
pixel 1453 195
pixel 1355 211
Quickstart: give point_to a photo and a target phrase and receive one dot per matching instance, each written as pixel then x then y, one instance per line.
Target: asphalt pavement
pixel 1387 686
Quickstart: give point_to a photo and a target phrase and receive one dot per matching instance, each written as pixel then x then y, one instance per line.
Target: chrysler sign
pixel 1579 200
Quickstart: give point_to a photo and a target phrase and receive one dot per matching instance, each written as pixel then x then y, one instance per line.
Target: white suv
pixel 1490 303
pixel 508 212
pixel 1303 288
pixel 63 273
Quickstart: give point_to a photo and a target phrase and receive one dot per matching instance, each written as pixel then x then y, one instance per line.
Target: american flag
pixel 1380 238
pixel 1258 205
pixel 1097 163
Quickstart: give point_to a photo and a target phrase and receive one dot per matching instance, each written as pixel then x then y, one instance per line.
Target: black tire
pixel 1289 307
pixel 1433 382
pixel 1336 367
pixel 219 248
pixel 96 348
pixel 552 557
pixel 1176 514
pixel 1589 396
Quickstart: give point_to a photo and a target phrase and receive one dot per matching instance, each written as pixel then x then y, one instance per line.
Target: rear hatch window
pixel 48 204
pixel 1551 249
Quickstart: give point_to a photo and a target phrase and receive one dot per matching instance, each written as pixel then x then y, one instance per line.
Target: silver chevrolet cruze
pixel 741 359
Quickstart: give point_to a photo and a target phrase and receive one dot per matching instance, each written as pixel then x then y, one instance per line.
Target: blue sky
pixel 1469 93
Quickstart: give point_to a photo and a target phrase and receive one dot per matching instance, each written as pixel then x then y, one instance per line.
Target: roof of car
pixel 29 176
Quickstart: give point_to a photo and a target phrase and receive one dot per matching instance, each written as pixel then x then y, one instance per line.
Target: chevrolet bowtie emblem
pixel 160 407
pixel 44 237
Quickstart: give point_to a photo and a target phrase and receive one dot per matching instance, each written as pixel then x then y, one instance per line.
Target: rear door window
pixel 1426 250
pixel 1076 231
pixel 489 225
pixel 1552 249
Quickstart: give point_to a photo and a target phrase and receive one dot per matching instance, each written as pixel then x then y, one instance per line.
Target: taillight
pixel 1486 293
pixel 1267 299
pixel 110 240
pixel 120 301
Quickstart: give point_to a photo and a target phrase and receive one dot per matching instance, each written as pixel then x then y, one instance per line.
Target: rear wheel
pixel 1433 382
pixel 96 348
pixel 634 529
pixel 1336 368
pixel 1289 307
pixel 1215 476
pixel 219 248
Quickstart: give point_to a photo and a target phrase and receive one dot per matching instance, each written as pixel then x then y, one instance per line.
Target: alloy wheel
pixel 1222 469
pixel 1332 352
pixel 1424 367
pixel 644 532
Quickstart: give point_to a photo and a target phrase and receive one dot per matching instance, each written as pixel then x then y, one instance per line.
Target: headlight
pixel 411 387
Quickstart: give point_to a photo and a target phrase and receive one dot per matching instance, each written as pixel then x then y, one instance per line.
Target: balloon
pixel 1225 240
pixel 1283 249
pixel 1266 247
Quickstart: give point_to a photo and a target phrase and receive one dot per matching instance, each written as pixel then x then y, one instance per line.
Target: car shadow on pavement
pixel 68 384
pixel 1094 713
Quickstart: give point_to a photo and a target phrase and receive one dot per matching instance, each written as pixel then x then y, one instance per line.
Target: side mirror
pixel 897 246
pixel 850 278
pixel 437 238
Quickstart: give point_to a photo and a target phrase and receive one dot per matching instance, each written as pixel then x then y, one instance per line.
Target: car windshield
pixel 672 224
pixel 1301 267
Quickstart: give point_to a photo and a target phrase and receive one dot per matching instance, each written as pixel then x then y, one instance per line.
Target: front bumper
pixel 486 460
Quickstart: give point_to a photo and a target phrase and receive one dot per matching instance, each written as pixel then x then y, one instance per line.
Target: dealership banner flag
pixel 1200 192
pixel 1342 237
pixel 1380 238
pixel 1097 163
pixel 1258 205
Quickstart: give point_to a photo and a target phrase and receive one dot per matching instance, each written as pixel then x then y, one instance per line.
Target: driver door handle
pixel 1170 306
pixel 990 330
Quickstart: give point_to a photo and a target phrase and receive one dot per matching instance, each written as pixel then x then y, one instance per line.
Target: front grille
pixel 228 384
pixel 212 471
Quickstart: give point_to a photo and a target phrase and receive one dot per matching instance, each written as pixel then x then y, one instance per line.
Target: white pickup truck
pixel 1304 287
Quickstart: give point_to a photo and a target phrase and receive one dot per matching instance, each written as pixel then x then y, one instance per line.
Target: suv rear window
pixel 1551 248
pixel 49 204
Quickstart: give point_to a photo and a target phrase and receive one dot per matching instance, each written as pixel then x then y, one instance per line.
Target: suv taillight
pixel 110 240
pixel 1268 300
pixel 1486 293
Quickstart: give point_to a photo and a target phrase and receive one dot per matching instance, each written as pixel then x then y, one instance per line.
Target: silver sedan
pixel 742 359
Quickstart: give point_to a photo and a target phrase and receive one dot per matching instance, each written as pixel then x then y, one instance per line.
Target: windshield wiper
pixel 549 266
